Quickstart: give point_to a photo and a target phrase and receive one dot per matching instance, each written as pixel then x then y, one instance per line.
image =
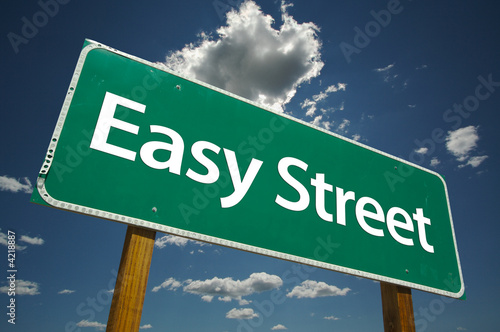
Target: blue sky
pixel 429 67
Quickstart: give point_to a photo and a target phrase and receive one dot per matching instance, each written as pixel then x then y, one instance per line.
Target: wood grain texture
pixel 131 283
pixel 397 308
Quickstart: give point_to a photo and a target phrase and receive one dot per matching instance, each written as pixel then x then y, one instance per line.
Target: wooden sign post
pixel 397 308
pixel 130 288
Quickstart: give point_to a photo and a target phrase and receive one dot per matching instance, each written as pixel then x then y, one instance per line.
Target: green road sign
pixel 138 144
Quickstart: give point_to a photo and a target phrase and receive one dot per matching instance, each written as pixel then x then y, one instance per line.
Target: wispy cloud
pixel 311 105
pixel 15 185
pixel 251 58
pixel 66 291
pixel 163 241
pixel 85 323
pixel 32 240
pixel 245 313
pixel 331 318
pixel 146 327
pixel 169 284
pixel 22 238
pixel 314 289
pixel 385 69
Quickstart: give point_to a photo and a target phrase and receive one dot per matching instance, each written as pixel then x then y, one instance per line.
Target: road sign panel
pixel 138 144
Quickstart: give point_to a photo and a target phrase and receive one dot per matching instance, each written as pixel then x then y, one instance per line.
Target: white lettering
pixel 176 148
pixel 106 120
pixel 303 201
pixel 361 213
pixel 240 187
pixel 213 170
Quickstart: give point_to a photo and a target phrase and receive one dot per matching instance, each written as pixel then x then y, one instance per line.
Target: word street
pixel 395 220
pixel 11 279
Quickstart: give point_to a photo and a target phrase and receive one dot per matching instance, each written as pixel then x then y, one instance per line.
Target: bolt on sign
pixel 141 145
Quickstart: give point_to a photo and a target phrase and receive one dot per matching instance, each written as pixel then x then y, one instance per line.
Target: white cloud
pixel 175 240
pixel 23 288
pixel 314 289
pixel 170 284
pixel 32 240
pixel 250 58
pixel 331 318
pixel 475 161
pixel 356 137
pixel 145 327
pixel 23 238
pixel 85 323
pixel 278 327
pixel 66 291
pixel 384 69
pixel 422 150
pixel 462 141
pixel 343 126
pixel 319 123
pixel 311 105
pixel 460 328
pixel 15 185
pixel 435 161
pixel 3 239
pixel 245 313
pixel 228 288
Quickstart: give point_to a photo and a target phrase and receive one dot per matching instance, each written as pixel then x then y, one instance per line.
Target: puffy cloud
pixel 15 185
pixel 23 288
pixel 250 58
pixel 278 327
pixel 435 161
pixel 225 289
pixel 314 289
pixel 85 323
pixel 145 327
pixel 245 313
pixel 228 288
pixel 461 143
pixel 422 150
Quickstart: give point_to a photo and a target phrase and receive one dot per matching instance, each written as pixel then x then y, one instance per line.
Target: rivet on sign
pixel 154 209
pixel 178 87
pixel 407 271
